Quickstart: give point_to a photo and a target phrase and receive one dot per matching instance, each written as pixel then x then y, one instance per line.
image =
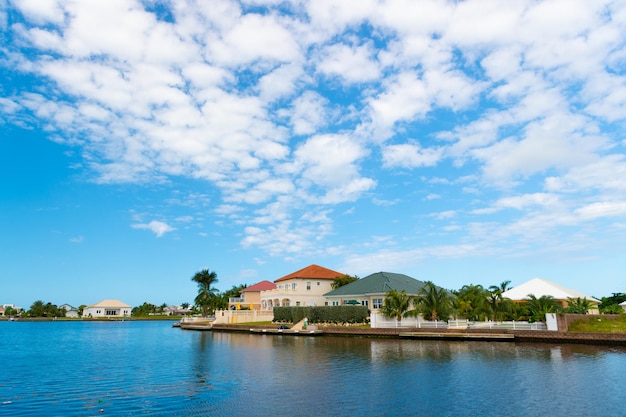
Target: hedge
pixel 325 314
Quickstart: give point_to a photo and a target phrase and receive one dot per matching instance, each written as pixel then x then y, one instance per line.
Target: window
pixel 297 303
pixel 364 303
pixel 377 303
pixel 318 283
pixel 293 286
pixel 335 303
pixel 308 286
pixel 111 313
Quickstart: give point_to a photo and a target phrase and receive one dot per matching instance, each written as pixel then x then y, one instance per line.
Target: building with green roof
pixel 370 291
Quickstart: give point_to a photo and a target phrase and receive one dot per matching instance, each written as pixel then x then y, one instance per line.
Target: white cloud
pixel 287 114
pixel 602 209
pixel 157 227
pixel 410 155
pixel 262 40
pixel 309 113
pixel 355 64
pixel 77 239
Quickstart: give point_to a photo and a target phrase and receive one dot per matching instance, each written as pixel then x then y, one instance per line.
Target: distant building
pixel 107 308
pixel 250 297
pixel 176 311
pixel 70 311
pixel 10 307
pixel 623 305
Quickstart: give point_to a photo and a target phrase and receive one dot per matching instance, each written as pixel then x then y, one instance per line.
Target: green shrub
pixel 325 314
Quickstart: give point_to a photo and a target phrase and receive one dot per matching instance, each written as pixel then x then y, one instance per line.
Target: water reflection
pixel 149 368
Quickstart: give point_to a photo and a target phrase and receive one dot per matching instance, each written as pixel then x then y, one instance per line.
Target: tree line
pixel 476 303
pixel 473 302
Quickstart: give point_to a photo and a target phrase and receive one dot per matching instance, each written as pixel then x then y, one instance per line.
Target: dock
pixel 290 332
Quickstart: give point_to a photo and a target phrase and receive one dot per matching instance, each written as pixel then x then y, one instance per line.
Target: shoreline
pixel 502 336
pixel 495 335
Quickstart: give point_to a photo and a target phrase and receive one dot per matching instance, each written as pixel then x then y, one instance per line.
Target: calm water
pixel 148 368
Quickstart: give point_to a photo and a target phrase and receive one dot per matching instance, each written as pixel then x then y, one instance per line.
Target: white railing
pixel 380 321
pixel 514 325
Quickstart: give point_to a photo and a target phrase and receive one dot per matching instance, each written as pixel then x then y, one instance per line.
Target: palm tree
pixel 577 306
pixel 471 302
pixel 204 279
pixel 495 298
pixel 539 307
pixel 396 304
pixel 435 302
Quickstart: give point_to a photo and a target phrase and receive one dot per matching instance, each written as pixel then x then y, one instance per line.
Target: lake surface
pixel 149 368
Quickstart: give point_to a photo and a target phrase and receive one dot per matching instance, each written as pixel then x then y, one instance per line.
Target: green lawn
pixel 599 324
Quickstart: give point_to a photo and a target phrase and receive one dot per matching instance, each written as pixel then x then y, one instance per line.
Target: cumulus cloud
pixel 289 107
pixel 410 155
pixel 157 227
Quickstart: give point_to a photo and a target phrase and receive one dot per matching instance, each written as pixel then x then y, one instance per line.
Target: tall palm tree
pixel 495 299
pixel 396 305
pixel 435 302
pixel 204 279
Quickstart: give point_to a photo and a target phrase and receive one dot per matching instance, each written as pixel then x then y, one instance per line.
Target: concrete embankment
pixel 615 339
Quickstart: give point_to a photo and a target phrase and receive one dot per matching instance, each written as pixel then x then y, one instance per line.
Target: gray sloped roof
pixel 378 283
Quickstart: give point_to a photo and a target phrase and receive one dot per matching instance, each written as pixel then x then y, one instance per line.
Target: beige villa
pixel 305 287
pixel 250 297
pixel 107 308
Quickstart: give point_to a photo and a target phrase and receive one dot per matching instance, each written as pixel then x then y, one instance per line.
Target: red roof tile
pixel 260 286
pixel 313 272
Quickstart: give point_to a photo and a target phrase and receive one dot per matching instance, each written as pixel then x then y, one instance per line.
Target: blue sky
pixel 457 142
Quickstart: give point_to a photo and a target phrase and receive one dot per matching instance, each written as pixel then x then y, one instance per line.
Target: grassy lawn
pixel 600 324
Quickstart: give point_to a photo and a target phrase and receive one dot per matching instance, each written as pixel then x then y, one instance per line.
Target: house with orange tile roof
pixel 305 287
pixel 250 297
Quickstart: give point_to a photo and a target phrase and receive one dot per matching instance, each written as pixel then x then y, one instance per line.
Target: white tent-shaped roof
pixel 540 287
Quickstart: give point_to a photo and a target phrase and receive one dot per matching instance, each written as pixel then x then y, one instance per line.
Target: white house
pixel 623 305
pixel 107 308
pixel 70 311
pixel 540 287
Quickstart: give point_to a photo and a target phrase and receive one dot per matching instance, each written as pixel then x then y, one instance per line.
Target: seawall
pixel 522 336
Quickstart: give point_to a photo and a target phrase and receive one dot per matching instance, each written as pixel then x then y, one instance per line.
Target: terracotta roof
pixel 313 272
pixel 260 286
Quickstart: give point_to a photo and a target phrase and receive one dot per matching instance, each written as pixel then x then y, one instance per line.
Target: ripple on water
pixel 133 368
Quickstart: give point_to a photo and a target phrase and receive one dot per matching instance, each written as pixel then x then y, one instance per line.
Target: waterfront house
pixel 250 297
pixel 370 291
pixel 70 311
pixel 9 307
pixel 305 287
pixel 174 310
pixel 623 305
pixel 540 287
pixel 107 308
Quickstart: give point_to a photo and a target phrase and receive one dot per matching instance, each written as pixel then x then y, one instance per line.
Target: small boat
pixel 176 324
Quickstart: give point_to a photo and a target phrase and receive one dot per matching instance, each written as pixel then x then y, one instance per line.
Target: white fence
pixel 242 316
pixel 378 321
